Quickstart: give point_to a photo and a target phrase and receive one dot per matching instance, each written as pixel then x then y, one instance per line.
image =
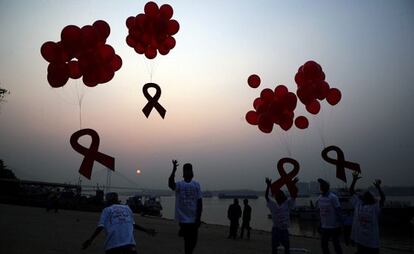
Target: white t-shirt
pixel 118 223
pixel 327 209
pixel 365 230
pixel 186 196
pixel 281 213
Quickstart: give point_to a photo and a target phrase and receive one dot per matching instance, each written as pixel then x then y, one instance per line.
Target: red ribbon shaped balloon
pixel 91 154
pixel 153 100
pixel 286 178
pixel 340 162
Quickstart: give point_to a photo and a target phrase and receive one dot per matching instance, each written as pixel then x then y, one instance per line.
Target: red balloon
pixel 130 22
pixel 311 69
pixel 299 79
pixel 173 27
pixel 90 78
pixel 290 100
pixel 257 102
pixel 267 95
pixel 150 53
pixel 89 36
pixel 49 51
pixel 301 122
pixel 251 117
pixel 151 9
pixel 305 95
pixel 313 107
pixel 140 20
pixel 334 96
pixel 166 11
pixel 57 74
pixel 116 63
pixel 281 91
pixel 105 74
pixel 169 42
pixel 322 90
pixel 106 52
pixel 74 70
pixel 265 123
pixel 139 48
pixel 71 37
pixel 286 124
pixel 130 41
pixel 253 81
pixel 102 28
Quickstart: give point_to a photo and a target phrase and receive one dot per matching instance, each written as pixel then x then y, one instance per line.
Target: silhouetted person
pixel 233 214
pixel 188 205
pixel 365 229
pixel 330 213
pixel 119 224
pixel 53 200
pixel 247 215
pixel 280 211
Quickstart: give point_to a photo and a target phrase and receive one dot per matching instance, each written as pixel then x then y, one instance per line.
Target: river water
pixel 215 212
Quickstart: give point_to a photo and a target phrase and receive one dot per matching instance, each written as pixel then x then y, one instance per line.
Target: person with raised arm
pixel 365 228
pixel 280 211
pixel 188 205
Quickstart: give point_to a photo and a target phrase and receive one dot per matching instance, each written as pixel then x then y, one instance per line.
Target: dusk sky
pixel 366 49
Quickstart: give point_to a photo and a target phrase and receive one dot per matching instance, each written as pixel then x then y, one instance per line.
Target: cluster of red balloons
pixel 152 30
pixel 81 52
pixel 274 107
pixel 312 87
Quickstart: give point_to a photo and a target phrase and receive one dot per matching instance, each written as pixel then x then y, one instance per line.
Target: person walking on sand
pixel 247 215
pixel 280 211
pixel 234 213
pixel 119 224
pixel 330 214
pixel 365 229
pixel 188 205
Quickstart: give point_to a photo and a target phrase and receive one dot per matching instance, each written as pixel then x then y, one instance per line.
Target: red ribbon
pixel 153 100
pixel 286 178
pixel 340 162
pixel 91 154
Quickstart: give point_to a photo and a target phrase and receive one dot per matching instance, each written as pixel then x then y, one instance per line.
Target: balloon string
pixel 286 145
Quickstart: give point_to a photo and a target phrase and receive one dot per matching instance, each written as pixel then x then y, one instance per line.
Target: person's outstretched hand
pixel 86 244
pixel 268 181
pixel 175 163
pixel 377 183
pixel 356 176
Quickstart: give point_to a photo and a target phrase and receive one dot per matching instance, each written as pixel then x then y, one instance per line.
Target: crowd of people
pixel 118 221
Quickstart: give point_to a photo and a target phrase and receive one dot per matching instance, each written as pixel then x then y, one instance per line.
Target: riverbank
pixel 33 230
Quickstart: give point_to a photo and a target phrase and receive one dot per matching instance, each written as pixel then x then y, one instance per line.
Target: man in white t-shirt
pixel 365 229
pixel 188 205
pixel 119 224
pixel 330 215
pixel 280 211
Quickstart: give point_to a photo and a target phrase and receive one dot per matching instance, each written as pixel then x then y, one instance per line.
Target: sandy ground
pixel 32 230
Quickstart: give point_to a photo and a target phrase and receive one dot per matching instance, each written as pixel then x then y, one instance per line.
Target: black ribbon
pixel 91 154
pixel 340 162
pixel 286 178
pixel 153 101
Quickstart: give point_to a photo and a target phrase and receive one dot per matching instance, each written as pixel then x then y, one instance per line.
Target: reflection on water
pixel 215 212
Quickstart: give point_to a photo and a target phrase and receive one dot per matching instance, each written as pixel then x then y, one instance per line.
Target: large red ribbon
pixel 286 178
pixel 340 162
pixel 91 154
pixel 153 100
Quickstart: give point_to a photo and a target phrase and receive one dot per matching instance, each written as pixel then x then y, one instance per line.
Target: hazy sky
pixel 365 48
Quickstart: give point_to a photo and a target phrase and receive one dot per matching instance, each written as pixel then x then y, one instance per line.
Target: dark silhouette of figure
pixel 233 214
pixel 331 219
pixel 53 200
pixel 119 224
pixel 365 228
pixel 188 205
pixel 280 216
pixel 247 215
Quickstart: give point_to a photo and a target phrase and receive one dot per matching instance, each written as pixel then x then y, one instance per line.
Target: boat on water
pixel 145 205
pixel 237 195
